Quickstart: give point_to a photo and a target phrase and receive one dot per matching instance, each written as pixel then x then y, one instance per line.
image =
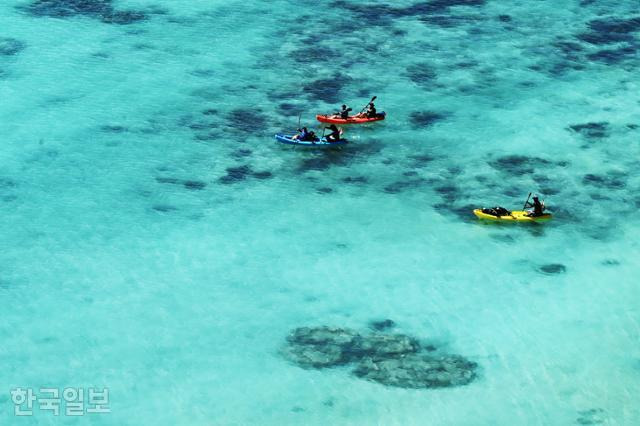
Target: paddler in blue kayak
pixel 335 134
pixel 304 135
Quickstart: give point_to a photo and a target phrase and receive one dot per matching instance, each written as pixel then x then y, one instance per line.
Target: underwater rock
pixel 552 268
pixel 324 190
pixel 10 46
pixel 418 371
pixel 389 359
pixel 320 347
pixel 595 416
pixel 382 325
pixel 384 345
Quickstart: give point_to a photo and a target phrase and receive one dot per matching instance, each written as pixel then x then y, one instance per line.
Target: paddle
pixel 365 107
pixel 526 202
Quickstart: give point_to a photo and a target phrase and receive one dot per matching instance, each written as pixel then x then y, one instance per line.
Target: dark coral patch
pixel 552 268
pixel 447 21
pixel 194 185
pixel 426 118
pixel 355 179
pixel 400 186
pixel 616 25
pixel 382 325
pixel 164 208
pixel 592 130
pixel 262 175
pixel 604 38
pixel 611 30
pixel 113 128
pixel 97 9
pixel 464 213
pixel 421 160
pixel 317 163
pixel 235 174
pixel 314 54
pixel 518 164
pixel 422 73
pixel 612 181
pixel 241 153
pixel 613 56
pixel 167 180
pixel 11 46
pixel 327 89
pixel 246 119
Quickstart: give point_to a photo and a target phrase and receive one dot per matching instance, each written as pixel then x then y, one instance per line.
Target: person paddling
pixel 537 205
pixel 335 134
pixel 370 112
pixel 304 135
pixel 343 113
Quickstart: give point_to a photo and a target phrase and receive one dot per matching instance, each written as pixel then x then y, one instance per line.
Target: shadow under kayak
pixel 350 120
pixel 288 139
pixel 515 216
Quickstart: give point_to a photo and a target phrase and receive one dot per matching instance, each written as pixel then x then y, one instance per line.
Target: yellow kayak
pixel 515 216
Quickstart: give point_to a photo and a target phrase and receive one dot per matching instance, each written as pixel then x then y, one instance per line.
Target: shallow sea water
pixel 157 241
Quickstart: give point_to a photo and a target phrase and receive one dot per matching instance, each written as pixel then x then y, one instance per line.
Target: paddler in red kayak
pixel 369 113
pixel 344 112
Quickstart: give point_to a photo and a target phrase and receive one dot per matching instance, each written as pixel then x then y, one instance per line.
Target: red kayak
pixel 350 120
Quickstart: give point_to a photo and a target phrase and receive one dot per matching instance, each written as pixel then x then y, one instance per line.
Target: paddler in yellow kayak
pixel 537 205
pixel 502 214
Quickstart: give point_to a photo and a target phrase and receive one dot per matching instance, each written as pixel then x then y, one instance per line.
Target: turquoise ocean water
pixel 157 241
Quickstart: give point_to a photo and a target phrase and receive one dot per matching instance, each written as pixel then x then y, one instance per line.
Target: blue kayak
pixel 288 139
